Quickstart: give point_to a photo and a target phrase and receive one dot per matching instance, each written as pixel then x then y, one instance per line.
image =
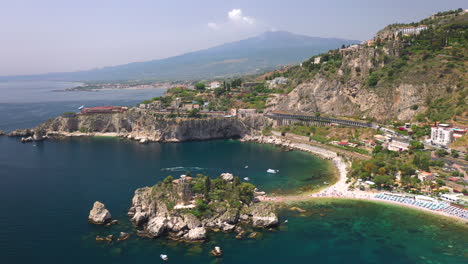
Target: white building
pixel 411 30
pixel 454 198
pixel 396 145
pixel 317 60
pixel 441 135
pixel 277 81
pixel 215 85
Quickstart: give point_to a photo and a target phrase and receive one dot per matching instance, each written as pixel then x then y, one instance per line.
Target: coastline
pixel 338 190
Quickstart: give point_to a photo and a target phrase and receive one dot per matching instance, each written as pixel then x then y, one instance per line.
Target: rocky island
pixel 187 208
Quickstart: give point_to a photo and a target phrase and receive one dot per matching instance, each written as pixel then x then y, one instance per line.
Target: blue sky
pixel 39 36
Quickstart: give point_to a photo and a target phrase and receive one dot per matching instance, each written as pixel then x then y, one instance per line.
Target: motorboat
pixel 246 179
pixel 81 107
pixel 272 171
pixel 164 257
pixel 246 167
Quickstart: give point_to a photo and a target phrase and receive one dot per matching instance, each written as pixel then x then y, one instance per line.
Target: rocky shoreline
pixel 187 208
pixel 145 127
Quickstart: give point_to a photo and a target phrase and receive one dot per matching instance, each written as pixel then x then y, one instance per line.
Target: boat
pixel 272 171
pixel 246 167
pixel 81 107
pixel 217 252
pixel 246 179
pixel 164 257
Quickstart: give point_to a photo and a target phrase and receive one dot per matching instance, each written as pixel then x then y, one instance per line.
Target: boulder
pixel 156 226
pixel 123 236
pixel 196 234
pixel 263 215
pixel 99 214
pixel 227 176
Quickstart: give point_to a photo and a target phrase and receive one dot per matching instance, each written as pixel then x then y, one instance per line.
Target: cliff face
pixel 135 124
pixel 396 78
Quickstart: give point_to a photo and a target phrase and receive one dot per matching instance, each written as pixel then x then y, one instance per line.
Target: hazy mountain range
pixel 252 55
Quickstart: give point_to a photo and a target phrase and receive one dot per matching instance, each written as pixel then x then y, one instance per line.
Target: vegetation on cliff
pixel 430 66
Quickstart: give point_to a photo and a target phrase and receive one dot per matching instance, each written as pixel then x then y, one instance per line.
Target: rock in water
pixel 156 226
pixel 196 234
pixel 263 215
pixel 99 214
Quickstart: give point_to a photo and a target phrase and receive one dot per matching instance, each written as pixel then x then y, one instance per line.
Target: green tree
pixel 168 179
pixel 200 86
pixel 416 144
pixel 441 153
pixel 454 153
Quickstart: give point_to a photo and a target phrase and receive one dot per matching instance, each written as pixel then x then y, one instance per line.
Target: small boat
pixel 286 221
pixel 246 167
pixel 163 257
pixel 326 183
pixel 247 179
pixel 272 171
pixel 217 252
pixel 81 107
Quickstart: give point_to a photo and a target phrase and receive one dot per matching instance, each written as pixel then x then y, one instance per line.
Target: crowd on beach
pixel 341 189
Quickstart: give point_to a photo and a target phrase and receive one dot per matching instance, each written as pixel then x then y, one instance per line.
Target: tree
pixel 194 113
pixel 454 154
pixel 377 149
pixel 168 179
pixel 416 144
pixel 200 86
pixel 441 153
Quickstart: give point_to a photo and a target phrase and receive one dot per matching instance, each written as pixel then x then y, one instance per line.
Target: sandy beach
pixel 340 190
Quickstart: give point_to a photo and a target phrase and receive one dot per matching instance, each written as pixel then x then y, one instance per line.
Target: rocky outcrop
pixel 165 209
pixel 99 214
pixel 262 216
pixel 21 133
pixel 381 82
pixel 145 127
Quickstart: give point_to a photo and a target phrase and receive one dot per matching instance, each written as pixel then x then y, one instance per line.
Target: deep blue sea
pixel 47 189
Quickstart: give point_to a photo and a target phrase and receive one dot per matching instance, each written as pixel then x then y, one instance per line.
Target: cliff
pixel 186 208
pixel 145 126
pixel 421 76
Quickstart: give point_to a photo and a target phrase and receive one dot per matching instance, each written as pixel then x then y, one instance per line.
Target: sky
pixel 41 36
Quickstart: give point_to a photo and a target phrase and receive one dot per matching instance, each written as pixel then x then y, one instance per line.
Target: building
pixel 441 135
pixel 396 145
pixel 317 60
pixel 215 84
pixel 425 176
pixel 277 81
pixel 104 110
pixel 453 198
pixel 458 132
pixel 176 103
pixel 246 112
pixel 410 30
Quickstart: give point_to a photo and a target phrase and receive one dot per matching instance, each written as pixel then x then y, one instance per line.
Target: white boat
pixel 164 257
pixel 246 167
pixel 272 171
pixel 246 179
pixel 81 107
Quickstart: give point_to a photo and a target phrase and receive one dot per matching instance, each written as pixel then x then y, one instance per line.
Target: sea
pixel 47 189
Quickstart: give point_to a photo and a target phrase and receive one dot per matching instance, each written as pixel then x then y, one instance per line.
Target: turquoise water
pixel 47 191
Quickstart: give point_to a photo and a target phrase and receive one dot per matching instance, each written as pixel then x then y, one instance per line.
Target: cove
pixel 47 189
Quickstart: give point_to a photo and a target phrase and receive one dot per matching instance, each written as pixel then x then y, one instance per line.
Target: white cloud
pixel 213 26
pixel 237 16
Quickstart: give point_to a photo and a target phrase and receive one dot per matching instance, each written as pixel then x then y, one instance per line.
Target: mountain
pixel 418 74
pixel 253 55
